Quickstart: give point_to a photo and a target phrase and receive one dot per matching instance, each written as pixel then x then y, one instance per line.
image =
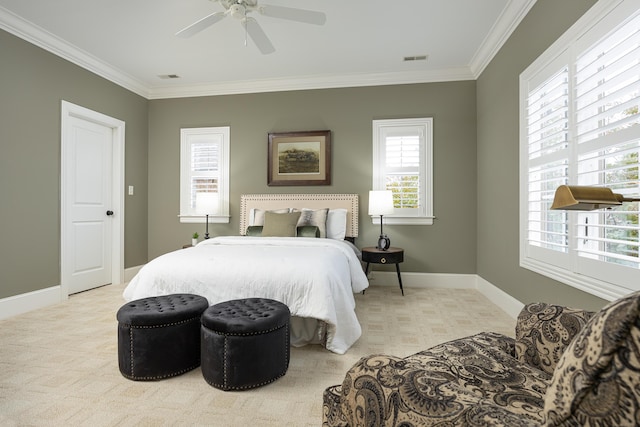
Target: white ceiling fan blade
pixel 258 36
pixel 293 14
pixel 200 25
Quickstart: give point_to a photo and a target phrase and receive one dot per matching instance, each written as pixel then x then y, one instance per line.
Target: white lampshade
pixel 206 203
pixel 380 202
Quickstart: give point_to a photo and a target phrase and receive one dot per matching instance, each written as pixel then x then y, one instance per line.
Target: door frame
pixel 70 110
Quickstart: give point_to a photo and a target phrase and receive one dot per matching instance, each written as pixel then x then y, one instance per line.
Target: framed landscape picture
pixel 299 158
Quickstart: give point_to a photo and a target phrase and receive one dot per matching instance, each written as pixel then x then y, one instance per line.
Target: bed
pixel 316 277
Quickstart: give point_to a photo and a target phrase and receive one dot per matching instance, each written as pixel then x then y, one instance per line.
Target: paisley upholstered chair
pixel 565 367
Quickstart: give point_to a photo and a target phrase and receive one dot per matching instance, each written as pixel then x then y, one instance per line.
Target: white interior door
pixel 91 214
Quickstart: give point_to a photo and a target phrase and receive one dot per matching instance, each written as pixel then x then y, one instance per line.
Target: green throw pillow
pixel 308 231
pixel 254 230
pixel 280 225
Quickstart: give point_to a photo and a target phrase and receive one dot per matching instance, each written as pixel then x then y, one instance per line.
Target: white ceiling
pixel 132 42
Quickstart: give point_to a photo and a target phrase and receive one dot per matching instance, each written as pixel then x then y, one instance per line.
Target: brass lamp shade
pixel 584 198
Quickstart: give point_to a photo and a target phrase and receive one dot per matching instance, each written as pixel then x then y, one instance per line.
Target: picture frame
pixel 299 158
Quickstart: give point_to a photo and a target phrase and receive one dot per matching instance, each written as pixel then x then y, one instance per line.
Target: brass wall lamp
pixel 585 198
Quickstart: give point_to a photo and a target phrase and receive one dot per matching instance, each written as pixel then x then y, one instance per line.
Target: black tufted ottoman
pixel 159 337
pixel 245 343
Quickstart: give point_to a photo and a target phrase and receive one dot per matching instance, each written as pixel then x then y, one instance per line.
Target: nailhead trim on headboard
pixel 311 201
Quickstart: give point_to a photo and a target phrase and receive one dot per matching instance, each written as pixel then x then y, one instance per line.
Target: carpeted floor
pixel 58 366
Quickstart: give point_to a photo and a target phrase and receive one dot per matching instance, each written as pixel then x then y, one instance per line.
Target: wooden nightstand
pixel 378 256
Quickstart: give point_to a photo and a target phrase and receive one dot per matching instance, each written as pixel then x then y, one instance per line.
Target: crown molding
pixel 507 22
pixel 310 83
pixel 513 13
pixel 37 36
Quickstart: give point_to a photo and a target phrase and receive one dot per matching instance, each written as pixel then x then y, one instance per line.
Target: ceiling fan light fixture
pixel 238 11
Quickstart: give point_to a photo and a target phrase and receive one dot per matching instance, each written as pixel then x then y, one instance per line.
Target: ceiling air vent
pixel 415 58
pixel 169 76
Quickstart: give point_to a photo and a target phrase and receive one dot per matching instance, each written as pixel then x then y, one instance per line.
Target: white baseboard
pixel 130 272
pixel 23 303
pixel 18 304
pixel 503 300
pixel 423 280
pixel 506 302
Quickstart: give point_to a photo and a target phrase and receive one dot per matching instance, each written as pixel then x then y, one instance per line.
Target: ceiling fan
pixel 239 9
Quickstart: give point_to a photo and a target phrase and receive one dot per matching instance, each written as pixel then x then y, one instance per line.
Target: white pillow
pixel 337 224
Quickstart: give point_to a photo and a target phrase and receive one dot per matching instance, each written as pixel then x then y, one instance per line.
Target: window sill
pixel 403 220
pixel 604 290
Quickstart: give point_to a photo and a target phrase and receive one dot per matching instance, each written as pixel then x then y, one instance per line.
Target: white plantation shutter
pixel 548 156
pixel 204 174
pixel 581 126
pixel 402 163
pixel 607 84
pixel 608 143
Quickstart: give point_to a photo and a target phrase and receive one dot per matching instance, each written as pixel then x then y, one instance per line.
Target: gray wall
pixel 447 246
pixel 33 83
pixel 498 157
pixel 475 167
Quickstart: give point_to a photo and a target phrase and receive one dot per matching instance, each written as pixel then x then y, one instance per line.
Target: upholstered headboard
pixel 311 201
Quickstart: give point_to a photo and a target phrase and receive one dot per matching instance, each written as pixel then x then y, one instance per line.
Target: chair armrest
pixel 543 332
pixel 596 380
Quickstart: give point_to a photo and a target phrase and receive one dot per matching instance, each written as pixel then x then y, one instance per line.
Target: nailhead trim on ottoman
pixel 245 343
pixel 159 337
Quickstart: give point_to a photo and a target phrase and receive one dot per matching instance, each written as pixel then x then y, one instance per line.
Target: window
pixel 204 174
pixel 402 163
pixel 580 126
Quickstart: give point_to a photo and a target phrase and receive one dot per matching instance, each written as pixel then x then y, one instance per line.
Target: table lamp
pixel 206 203
pixel 381 203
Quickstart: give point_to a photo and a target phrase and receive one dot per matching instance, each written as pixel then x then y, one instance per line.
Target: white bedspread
pixel 315 278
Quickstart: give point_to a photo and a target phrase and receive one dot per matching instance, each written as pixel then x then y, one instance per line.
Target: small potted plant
pixel 194 239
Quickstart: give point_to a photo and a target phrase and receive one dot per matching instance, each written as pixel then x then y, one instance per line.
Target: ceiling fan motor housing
pixel 227 4
pixel 238 11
